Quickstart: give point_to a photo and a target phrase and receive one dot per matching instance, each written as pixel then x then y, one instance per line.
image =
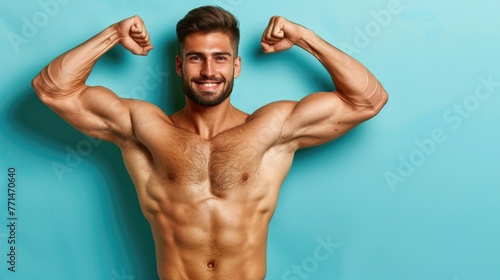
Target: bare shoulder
pixel 274 111
pixel 268 121
pixel 145 117
pixel 145 111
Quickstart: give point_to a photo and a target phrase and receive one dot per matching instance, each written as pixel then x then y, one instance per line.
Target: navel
pixel 211 265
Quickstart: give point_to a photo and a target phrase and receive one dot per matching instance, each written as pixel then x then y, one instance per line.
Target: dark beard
pixel 205 99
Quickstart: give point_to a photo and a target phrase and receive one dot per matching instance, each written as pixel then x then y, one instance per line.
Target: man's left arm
pixel 323 116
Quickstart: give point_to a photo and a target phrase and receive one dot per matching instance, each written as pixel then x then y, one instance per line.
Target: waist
pixel 211 263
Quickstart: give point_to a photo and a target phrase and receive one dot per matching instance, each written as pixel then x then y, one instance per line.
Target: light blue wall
pixel 412 194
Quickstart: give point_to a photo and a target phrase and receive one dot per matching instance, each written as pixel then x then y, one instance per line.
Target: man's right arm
pixel 95 111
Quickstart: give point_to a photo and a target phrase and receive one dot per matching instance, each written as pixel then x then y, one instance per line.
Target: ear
pixel 237 67
pixel 178 65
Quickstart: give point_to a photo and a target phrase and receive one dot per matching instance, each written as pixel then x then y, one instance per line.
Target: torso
pixel 209 201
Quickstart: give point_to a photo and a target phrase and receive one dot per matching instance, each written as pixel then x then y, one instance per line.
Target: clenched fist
pixel 280 35
pixel 133 35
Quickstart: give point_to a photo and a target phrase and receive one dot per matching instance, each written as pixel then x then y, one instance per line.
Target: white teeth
pixel 208 84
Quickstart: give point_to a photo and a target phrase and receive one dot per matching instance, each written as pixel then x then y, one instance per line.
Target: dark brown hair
pixel 208 19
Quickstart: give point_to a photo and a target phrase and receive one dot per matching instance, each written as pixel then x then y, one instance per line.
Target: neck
pixel 207 122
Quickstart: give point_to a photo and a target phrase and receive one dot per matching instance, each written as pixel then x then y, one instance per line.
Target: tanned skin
pixel 208 177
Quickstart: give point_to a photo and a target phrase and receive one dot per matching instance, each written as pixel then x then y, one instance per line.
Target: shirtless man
pixel 208 176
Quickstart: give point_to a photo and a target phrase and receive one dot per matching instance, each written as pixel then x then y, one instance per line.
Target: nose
pixel 208 68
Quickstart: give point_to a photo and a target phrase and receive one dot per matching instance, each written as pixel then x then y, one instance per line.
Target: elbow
pixel 46 86
pixel 38 85
pixel 384 97
pixel 379 99
pixel 42 88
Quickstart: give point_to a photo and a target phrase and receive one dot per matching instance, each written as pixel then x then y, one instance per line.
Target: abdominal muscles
pixel 203 236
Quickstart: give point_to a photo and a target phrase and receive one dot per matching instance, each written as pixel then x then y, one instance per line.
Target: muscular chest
pixel 226 162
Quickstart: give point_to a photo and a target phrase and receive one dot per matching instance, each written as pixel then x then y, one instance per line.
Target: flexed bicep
pixel 324 116
pixel 319 118
pixel 95 111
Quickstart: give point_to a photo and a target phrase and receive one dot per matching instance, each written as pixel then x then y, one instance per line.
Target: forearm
pixel 69 72
pixel 353 81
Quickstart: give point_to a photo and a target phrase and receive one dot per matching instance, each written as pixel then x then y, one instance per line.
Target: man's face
pixel 208 67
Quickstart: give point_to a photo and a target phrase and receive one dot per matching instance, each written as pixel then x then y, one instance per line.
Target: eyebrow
pixel 203 54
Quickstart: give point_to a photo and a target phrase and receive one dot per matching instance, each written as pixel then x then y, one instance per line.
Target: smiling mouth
pixel 208 85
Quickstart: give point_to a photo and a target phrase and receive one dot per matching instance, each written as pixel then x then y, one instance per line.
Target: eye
pixel 220 58
pixel 195 58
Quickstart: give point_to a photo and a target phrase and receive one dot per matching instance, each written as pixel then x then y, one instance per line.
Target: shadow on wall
pixel 168 88
pixel 305 66
pixel 172 97
pixel 46 132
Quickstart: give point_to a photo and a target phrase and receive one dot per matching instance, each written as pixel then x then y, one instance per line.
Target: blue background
pixel 411 194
